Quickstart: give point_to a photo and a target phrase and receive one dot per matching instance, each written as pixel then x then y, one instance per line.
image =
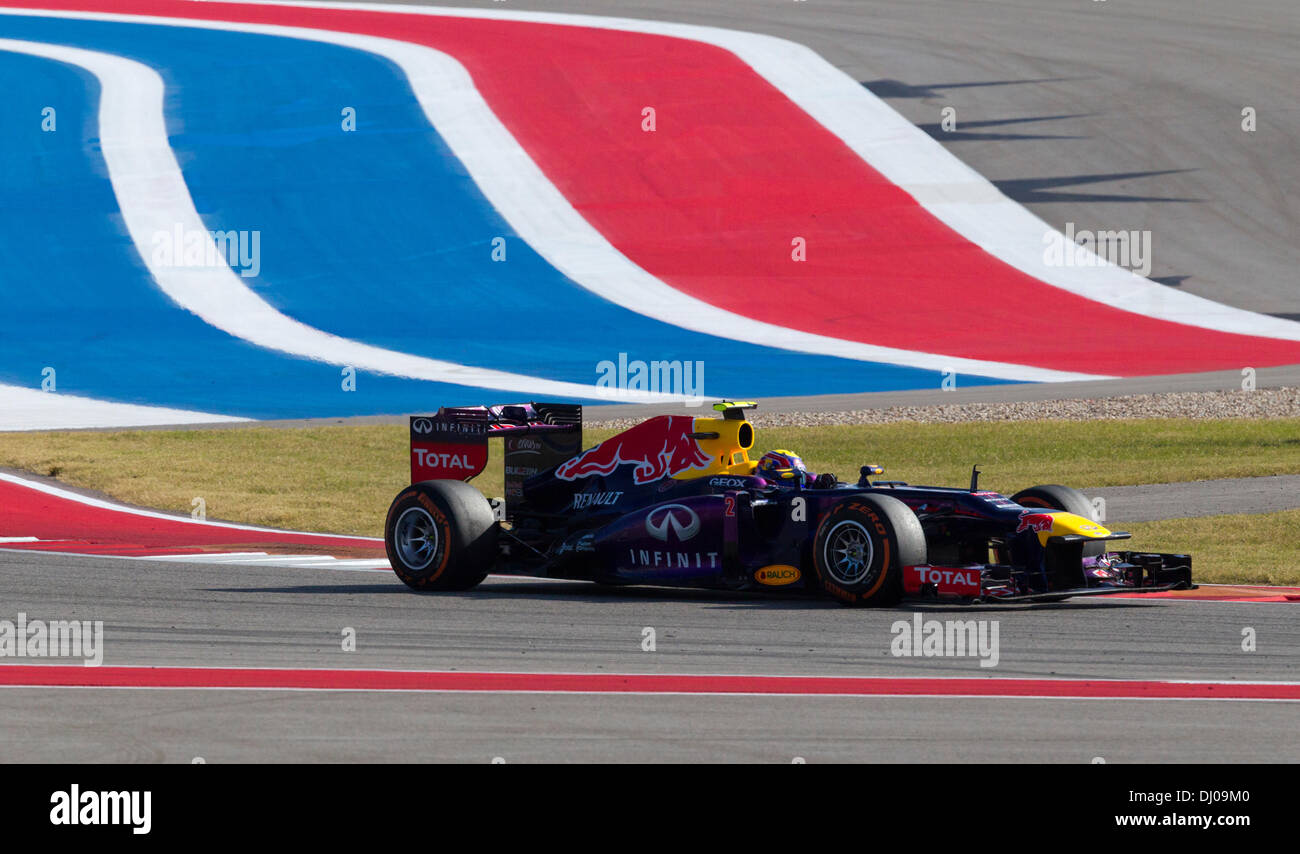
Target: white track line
pixel 339 565
pixel 953 192
pixel 813 695
pixel 31 409
pixel 519 191
pixel 154 199
pixel 265 559
pixel 597 693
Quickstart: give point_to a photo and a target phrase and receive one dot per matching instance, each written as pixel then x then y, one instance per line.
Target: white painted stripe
pixel 264 559
pixel 230 559
pixel 340 565
pixel 953 192
pixel 205 557
pixel 68 495
pixel 294 560
pixel 764 696
pixel 357 563
pixel 512 183
pixel 31 409
pixel 154 199
pixel 936 694
pixel 642 674
pixel 19 540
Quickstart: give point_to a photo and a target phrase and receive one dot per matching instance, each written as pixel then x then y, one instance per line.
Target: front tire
pixel 441 535
pixel 861 547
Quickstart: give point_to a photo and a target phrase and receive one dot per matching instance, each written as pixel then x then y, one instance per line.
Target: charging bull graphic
pixel 660 447
pixel 1038 522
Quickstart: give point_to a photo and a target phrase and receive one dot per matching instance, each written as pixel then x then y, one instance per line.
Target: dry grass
pixel 1243 549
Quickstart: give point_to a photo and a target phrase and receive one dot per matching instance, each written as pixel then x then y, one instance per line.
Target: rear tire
pixel 861 547
pixel 1053 496
pixel 441 535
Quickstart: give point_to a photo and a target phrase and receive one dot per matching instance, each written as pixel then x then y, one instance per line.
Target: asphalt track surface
pixel 187 615
pixel 1200 498
pixel 1104 115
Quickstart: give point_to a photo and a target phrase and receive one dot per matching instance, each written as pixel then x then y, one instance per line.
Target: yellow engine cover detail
pixel 729 453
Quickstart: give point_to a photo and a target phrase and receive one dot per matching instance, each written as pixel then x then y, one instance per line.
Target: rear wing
pixel 453 445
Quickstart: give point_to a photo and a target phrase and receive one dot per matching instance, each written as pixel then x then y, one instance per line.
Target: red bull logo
pixel 660 447
pixel 1037 522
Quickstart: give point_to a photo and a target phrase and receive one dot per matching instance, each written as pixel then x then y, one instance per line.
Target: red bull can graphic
pixel 1037 522
pixel 660 447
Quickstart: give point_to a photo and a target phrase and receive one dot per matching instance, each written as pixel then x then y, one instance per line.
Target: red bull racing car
pixel 677 501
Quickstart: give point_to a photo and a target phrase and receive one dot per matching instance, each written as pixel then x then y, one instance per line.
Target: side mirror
pixel 866 472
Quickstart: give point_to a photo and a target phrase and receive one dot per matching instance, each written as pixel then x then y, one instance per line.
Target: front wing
pixel 1118 572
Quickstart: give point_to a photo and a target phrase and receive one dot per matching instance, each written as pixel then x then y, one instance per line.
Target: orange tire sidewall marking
pixel 884 564
pixel 397 503
pixel 444 532
pixel 833 588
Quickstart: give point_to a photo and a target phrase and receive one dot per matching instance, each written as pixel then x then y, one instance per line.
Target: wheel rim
pixel 848 553
pixel 416 538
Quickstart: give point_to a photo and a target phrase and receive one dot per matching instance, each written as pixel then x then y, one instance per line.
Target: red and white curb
pixel 37 516
pixel 278 679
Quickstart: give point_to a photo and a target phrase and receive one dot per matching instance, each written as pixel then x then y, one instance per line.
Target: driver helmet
pixel 783 467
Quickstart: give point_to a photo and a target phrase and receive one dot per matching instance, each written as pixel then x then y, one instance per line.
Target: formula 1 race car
pixel 676 501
